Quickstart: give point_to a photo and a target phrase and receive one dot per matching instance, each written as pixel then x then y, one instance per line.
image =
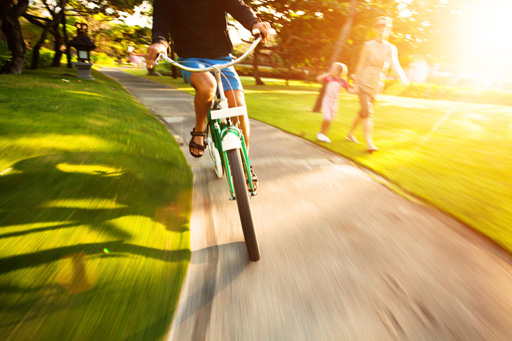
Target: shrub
pixel 165 69
pixel 45 57
pixel 271 72
pixel 103 59
pixel 451 93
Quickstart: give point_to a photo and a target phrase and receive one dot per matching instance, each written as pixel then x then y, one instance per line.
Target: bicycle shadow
pixel 199 302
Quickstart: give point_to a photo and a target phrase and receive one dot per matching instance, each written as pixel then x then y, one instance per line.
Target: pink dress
pixel 330 100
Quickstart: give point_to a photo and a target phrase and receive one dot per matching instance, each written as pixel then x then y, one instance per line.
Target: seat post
pixel 223 100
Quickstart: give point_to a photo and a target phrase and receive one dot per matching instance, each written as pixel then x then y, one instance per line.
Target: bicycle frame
pixel 226 136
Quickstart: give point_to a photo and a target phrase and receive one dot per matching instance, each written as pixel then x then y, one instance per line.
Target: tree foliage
pixel 307 30
pixel 49 15
pixel 114 39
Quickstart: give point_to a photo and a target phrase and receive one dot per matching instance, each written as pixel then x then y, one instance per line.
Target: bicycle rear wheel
pixel 244 207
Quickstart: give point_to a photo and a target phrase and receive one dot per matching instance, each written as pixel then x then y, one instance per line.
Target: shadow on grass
pixel 41 257
pixel 125 200
pixel 39 191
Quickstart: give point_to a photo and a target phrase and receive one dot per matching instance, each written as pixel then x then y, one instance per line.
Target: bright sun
pixel 486 35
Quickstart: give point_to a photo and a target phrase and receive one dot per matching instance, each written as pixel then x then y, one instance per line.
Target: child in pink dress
pixel 335 79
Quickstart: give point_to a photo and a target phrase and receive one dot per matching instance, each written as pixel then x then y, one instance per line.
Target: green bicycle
pixel 226 146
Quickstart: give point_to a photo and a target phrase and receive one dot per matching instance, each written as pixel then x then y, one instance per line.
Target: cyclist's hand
pixel 153 52
pixel 264 28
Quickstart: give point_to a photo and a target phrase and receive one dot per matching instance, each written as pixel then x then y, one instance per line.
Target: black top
pixel 199 27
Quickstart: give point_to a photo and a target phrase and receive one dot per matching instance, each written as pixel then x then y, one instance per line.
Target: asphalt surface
pixel 342 256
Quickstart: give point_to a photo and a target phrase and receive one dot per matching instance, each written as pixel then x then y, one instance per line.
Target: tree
pixel 114 39
pixel 304 29
pixel 10 11
pixel 48 25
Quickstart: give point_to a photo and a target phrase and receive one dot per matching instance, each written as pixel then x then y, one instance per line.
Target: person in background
pixel 335 80
pixel 376 57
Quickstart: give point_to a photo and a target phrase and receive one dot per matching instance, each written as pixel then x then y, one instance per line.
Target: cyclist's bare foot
pixel 351 138
pixel 197 143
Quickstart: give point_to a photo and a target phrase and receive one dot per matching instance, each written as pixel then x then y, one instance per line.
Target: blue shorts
pixel 230 79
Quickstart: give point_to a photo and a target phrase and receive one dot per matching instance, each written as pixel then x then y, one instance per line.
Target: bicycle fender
pixel 231 141
pixel 229 112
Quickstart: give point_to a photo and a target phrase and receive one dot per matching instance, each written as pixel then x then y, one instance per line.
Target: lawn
pixel 95 201
pixel 456 156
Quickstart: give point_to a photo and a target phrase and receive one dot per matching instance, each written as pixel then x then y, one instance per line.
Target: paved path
pixel 343 257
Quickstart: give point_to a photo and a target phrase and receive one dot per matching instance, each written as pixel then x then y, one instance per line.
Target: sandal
pixel 254 181
pixel 193 144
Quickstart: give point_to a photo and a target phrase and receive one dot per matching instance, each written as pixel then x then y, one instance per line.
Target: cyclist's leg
pixel 205 86
pixel 234 93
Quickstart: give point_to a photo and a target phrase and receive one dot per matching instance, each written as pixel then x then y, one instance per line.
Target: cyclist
pixel 199 31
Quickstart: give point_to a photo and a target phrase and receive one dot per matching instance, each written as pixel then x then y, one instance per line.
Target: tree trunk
pixel 11 27
pixel 255 70
pixel 57 38
pixel 48 26
pixel 66 40
pixel 37 47
pixel 344 33
pixel 318 103
pixel 57 44
pixel 338 47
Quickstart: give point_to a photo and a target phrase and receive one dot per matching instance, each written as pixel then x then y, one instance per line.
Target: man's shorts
pixel 366 100
pixel 229 77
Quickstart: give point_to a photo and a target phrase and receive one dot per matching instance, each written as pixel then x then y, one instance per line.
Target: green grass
pixel 456 156
pixel 95 201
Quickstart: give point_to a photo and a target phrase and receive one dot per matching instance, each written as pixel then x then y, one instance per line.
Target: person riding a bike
pixel 199 31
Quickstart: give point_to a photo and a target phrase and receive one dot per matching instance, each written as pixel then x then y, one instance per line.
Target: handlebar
pixel 217 66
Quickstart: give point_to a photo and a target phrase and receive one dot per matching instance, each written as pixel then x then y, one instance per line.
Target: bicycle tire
pixel 244 207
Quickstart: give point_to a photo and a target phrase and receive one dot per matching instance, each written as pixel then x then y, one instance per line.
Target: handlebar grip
pixel 155 63
pixel 256 33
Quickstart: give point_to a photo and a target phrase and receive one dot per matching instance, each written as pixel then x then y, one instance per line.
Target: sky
pixel 484 40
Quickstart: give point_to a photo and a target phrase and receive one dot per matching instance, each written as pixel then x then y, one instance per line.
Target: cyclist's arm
pixel 161 23
pixel 160 31
pixel 241 12
pixel 246 16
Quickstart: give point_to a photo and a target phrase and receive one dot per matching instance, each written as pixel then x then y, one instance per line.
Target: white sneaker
pixel 322 138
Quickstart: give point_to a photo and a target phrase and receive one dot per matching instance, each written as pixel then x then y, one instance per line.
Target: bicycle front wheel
pixel 244 207
pixel 214 152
